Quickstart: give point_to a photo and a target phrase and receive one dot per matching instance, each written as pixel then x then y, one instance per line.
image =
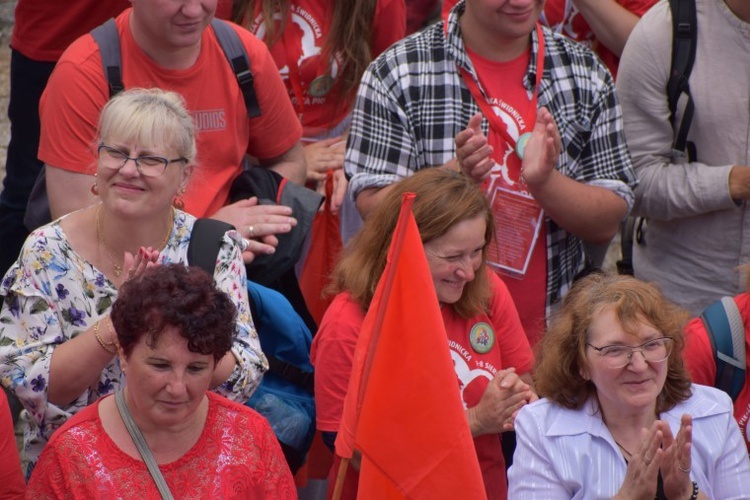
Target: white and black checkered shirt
pixel 413 101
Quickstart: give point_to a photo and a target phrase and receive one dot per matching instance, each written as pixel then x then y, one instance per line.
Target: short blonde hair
pixel 152 117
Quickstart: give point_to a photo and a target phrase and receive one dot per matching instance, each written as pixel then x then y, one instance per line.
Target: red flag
pixel 325 247
pixel 403 410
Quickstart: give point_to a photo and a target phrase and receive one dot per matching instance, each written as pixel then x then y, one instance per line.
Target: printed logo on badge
pixel 482 337
pixel 321 86
pixel 521 144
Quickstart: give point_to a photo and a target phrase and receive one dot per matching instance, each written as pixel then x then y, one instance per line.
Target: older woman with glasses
pixel 57 342
pixel 620 418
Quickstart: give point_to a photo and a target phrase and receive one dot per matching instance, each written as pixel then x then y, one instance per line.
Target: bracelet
pixel 101 342
pixel 113 334
pixel 694 496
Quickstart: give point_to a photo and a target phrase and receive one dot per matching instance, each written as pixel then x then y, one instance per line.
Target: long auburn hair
pixel 561 355
pixel 350 34
pixel 443 199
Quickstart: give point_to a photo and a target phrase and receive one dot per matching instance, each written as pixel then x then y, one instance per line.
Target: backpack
pixel 684 43
pixel 108 40
pixel 277 270
pixel 285 394
pixel 726 332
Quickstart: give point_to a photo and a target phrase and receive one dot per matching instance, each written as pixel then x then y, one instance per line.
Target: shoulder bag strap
pixel 684 42
pixel 237 56
pixel 108 40
pixel 205 242
pixel 143 449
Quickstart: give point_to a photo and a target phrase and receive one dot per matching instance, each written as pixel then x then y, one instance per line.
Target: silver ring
pixel 686 471
pixel 250 231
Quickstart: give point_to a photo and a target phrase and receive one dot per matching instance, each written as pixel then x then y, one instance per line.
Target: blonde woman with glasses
pixel 620 418
pixel 57 343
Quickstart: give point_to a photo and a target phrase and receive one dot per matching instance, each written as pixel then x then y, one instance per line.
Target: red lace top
pixel 237 456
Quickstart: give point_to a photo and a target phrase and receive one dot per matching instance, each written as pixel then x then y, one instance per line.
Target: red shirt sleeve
pixel 11 477
pixel 332 354
pixel 511 338
pixel 390 25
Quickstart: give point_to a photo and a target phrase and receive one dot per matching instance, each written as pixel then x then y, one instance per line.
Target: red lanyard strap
pixel 496 124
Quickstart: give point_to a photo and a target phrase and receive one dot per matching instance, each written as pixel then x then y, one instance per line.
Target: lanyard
pixel 496 124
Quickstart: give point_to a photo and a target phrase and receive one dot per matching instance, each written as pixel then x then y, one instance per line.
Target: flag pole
pixel 339 486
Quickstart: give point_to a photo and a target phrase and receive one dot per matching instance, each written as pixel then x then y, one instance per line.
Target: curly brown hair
pixel 178 296
pixel 561 354
pixel 444 198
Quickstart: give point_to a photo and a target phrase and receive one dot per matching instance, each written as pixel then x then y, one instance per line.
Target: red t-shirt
pixel 509 100
pixel 479 346
pixel 43 29
pixel 11 477
pixel 304 41
pixel 77 91
pixel 563 17
pixel 700 362
pixel 236 456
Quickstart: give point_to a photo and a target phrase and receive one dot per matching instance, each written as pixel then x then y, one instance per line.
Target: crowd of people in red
pixel 529 132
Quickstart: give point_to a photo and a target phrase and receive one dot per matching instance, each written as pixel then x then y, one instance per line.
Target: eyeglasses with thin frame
pixel 147 165
pixel 618 356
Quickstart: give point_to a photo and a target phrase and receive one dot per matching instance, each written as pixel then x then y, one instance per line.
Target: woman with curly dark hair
pixel 173 327
pixel 620 418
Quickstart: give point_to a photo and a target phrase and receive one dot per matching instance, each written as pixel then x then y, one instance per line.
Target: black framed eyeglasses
pixel 618 356
pixel 147 165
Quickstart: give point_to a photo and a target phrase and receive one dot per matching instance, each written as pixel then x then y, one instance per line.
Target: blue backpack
pixel 726 332
pixel 285 395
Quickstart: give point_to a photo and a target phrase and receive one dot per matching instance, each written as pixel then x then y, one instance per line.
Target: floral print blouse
pixel 53 294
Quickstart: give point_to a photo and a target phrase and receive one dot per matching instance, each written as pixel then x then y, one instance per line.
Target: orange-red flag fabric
pixel 403 410
pixel 325 247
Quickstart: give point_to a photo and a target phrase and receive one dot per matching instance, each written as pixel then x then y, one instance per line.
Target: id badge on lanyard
pixel 518 217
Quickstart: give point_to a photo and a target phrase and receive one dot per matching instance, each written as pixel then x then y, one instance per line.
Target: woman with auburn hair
pixel 491 354
pixel 620 418
pixel 173 329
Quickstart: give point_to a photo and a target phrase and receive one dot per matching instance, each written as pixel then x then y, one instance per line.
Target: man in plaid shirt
pixel 547 146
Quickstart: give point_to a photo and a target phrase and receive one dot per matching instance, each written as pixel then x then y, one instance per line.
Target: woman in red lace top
pixel 172 327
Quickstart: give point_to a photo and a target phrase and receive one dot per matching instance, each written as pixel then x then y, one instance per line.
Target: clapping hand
pixel 473 151
pixel 496 411
pixel 542 151
pixel 136 264
pixel 660 452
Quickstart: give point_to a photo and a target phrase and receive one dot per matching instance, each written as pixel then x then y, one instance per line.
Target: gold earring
pixel 95 187
pixel 178 202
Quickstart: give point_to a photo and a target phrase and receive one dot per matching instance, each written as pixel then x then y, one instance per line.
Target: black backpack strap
pixel 237 56
pixel 205 242
pixel 726 332
pixel 108 40
pixel 291 373
pixel 684 42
